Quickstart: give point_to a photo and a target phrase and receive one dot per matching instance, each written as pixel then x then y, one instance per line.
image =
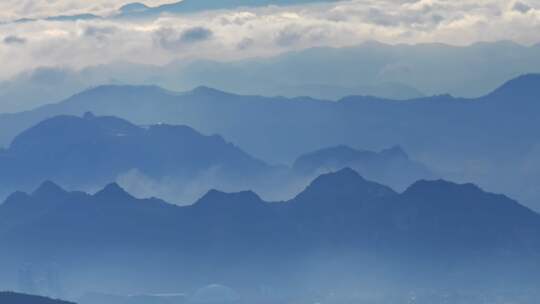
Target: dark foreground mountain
pixel 342 231
pixel 15 298
pixel 88 152
pixel 465 139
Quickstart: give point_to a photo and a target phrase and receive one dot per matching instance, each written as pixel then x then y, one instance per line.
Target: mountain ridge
pixel 190 6
pixel 99 149
pixel 441 132
pixel 451 225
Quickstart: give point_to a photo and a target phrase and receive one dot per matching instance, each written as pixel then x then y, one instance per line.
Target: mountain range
pixel 173 162
pixel 460 139
pixel 391 166
pixel 371 68
pixel 150 104
pixel 137 9
pixel 88 152
pixel 341 223
pixel 141 10
pixel 389 71
pixel 269 152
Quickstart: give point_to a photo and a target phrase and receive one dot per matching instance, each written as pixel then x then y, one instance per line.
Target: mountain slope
pixel 462 139
pixel 88 152
pixel 524 87
pixel 388 71
pixel 371 118
pixel 14 298
pixel 341 223
pixel 174 162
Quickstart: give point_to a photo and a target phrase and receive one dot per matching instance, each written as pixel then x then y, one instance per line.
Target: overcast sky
pixel 226 35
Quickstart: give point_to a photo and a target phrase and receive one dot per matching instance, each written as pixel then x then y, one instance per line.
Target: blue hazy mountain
pixel 192 6
pixel 15 298
pixel 150 104
pixel 455 232
pixel 371 68
pixel 390 166
pixel 392 90
pixel 174 162
pixel 462 139
pixel 88 152
pixel 140 10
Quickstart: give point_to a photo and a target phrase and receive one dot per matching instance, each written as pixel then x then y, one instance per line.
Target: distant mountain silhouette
pixel 174 162
pixel 435 228
pixel 397 72
pixel 134 7
pixel 15 298
pixel 193 6
pixel 396 91
pixel 462 139
pixel 388 71
pixel 344 186
pixel 90 151
pixel 390 166
pixel 138 10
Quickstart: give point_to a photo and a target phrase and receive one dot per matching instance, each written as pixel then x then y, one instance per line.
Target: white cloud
pixel 226 35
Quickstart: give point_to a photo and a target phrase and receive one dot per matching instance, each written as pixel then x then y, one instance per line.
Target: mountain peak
pixel 135 7
pixel 113 191
pixel 345 183
pixel 48 189
pixel 340 178
pixel 215 198
pixel 206 91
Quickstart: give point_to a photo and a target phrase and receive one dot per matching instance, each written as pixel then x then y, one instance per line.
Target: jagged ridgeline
pixel 459 139
pixel 174 162
pixel 269 152
pixel 88 152
pixel 342 228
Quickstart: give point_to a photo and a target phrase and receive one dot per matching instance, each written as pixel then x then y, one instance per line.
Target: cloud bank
pixel 246 33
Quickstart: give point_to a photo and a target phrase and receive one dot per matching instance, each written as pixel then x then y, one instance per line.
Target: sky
pixel 246 33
